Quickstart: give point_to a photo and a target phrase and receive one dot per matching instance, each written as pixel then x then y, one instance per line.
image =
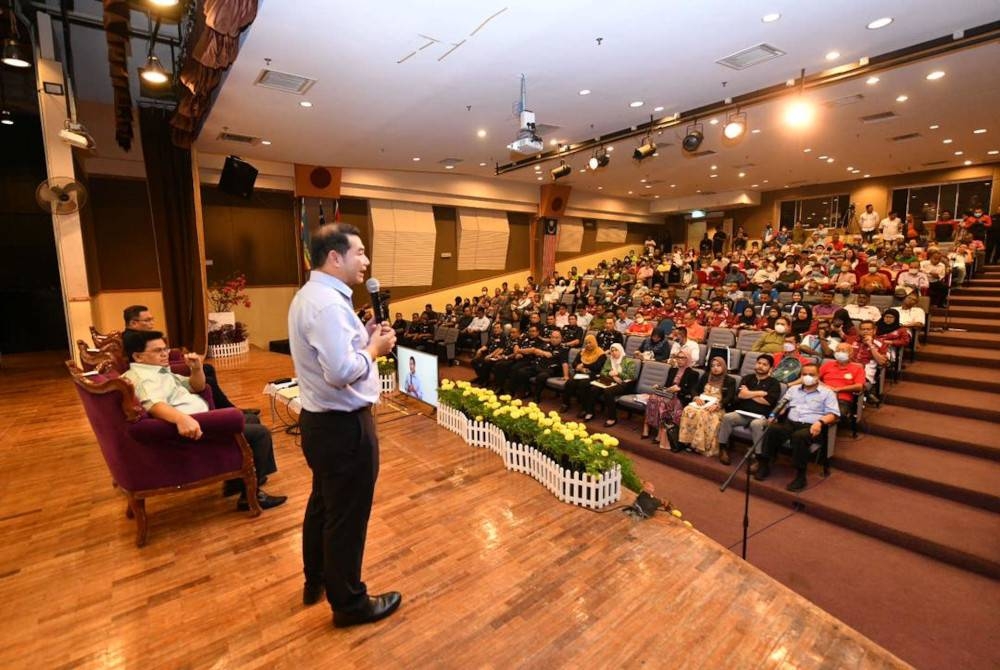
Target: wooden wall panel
pixel 123 234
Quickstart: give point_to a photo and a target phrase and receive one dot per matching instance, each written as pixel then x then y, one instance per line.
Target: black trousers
pixel 341 449
pixel 261 446
pixel 219 398
pixel 520 375
pixel 538 381
pixel 608 396
pixel 798 437
pixel 483 368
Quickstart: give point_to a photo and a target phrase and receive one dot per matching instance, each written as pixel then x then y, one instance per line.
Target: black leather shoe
pixel 250 410
pixel 797 484
pixel 312 593
pixel 763 471
pixel 263 499
pixel 379 607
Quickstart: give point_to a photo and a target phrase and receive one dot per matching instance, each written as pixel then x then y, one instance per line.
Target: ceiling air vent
pixel 242 139
pixel 450 161
pixel 284 81
pixel 903 138
pixel 798 182
pixel 843 102
pixel 933 163
pixel 706 152
pixel 880 117
pixel 755 55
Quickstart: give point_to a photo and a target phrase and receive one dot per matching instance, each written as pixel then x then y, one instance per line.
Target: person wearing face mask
pixel 844 376
pixel 875 281
pixel 773 340
pixel 757 395
pixel 845 280
pixel 913 279
pixel 792 349
pixel 640 327
pixel 810 409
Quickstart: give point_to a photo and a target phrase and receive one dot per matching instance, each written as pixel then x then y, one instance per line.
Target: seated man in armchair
pixel 172 398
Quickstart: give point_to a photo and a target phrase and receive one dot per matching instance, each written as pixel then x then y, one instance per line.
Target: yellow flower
pixel 587 441
pixel 479 418
pixel 612 442
pixel 515 414
pixel 462 384
pixel 545 422
pixel 572 425
pixel 546 432
pixel 688 524
pixel 532 405
pixel 466 393
pixel 676 513
pixel 516 402
pixel 554 414
pixel 604 452
pixel 505 397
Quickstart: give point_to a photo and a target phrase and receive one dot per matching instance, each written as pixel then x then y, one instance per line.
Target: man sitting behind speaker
pixel 758 393
pixel 138 317
pixel 172 398
pixel 801 418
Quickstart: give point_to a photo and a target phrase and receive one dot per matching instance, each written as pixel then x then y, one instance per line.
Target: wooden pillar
pixel 199 219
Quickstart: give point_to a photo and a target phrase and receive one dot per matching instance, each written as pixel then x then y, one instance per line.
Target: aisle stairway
pixel 924 474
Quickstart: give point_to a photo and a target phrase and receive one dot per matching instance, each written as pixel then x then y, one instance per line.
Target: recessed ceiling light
pixel 755 131
pixel 866 176
pixel 610 149
pixel 658 109
pixel 416 159
pixel 978 131
pixel 770 18
pixel 902 98
pixel 538 178
pixel 967 163
pixel 449 167
pixel 266 143
pixel 743 174
pixel 871 81
pixel 754 185
pixel 765 181
pixel 642 181
pixel 553 142
pixel 993 152
pixel 648 186
pixel 850 168
pixel 538 168
pixel 584 91
pixel 482 165
pixel 935 75
pixel 630 192
pixel 946 141
pixel 880 23
pixel 583 169
pixel 934 126
pixel 305 103
pixel 806 151
pixel 636 103
pixel 959 153
pixel 832 55
pixel 698 191
pixel 656 196
pixel 712 176
pixel 673 186
pixel 829 160
pixel 715 167
pixel 714 122
pixel 480 133
pixel 600 188
pixel 855 171
pixel 822 158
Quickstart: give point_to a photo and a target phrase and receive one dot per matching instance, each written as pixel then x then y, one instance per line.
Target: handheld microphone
pixel 380 302
pixel 781 406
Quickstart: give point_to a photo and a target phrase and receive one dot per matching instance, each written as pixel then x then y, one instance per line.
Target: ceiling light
pixel 657 195
pixel 648 186
pixel 967 163
pixel 946 141
pixel 449 167
pixel 754 185
pixel 673 186
pixel 714 167
pixel 658 109
pixel 584 91
pixel 736 126
pixel 636 103
pixel 902 98
pixel 806 151
pixel 154 72
pixel 6 118
pixel 538 178
pixel 714 122
pixel 935 75
pixel 799 114
pixel 850 167
pixel 880 23
pixel 693 138
pixel 480 133
pixel 866 176
pixel 647 149
pixel 764 182
pixel 643 180
pixel 993 152
pixel 978 131
pixel 829 160
pixel 305 103
pixel 630 192
pixel 610 149
pixel 697 213
pixel 743 174
pixel 483 164
pixel 934 126
pixel 770 18
pixel 583 169
pixel 266 143
pixel 871 81
pixel 755 131
pixel 832 55
pixel 959 153
pixel 553 142
pixel 599 159
pixel 14 54
pixel 163 3
pixel 600 188
pixel 822 158
pixel 712 176
pixel 416 159
pixel 562 170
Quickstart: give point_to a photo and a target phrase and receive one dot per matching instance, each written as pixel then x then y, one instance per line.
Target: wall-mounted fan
pixel 61 195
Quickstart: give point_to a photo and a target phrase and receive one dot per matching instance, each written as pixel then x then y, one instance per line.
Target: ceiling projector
pixel 75 135
pixel 527 141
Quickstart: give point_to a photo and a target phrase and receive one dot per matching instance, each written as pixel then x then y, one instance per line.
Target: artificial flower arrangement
pixel 386 366
pixel 229 293
pixel 568 443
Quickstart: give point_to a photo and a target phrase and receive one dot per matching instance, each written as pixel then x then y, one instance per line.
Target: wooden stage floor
pixel 495 573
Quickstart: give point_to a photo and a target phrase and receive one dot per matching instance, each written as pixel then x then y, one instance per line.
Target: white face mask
pixel 808 380
pixel 788 347
pixel 841 356
pixel 780 328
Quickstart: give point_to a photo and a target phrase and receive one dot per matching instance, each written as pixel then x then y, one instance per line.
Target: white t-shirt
pixel 912 315
pixel 868 221
pixel 890 228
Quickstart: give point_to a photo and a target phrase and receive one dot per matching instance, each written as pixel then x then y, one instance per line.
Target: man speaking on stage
pixel 334 356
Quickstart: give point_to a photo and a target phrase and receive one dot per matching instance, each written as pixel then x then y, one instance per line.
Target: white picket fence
pixel 388 383
pixel 572 487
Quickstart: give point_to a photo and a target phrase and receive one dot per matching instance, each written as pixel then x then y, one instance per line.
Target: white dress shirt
pixel 868 221
pixel 328 341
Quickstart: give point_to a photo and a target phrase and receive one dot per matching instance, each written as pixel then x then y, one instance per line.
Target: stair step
pixel 991 314
pixel 973 325
pixel 979 291
pixel 960 340
pixel 975 437
pixel 967 402
pixel 985 283
pixel 963 355
pixel 951 373
pixel 950 531
pixel 965 479
pixel 965 300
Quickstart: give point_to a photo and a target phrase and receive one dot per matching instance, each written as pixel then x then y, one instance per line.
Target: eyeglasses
pixel 148 319
pixel 158 350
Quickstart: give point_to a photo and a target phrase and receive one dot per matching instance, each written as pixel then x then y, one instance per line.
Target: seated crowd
pixel 822 320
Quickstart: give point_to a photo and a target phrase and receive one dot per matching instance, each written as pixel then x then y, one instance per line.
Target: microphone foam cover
pixel 372 285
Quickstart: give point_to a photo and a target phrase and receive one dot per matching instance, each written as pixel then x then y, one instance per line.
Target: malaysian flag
pixel 304 235
pixel 322 216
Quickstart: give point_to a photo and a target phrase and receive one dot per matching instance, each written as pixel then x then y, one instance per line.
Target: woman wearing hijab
pixel 621 372
pixel 664 412
pixel 802 320
pixel 699 426
pixel 583 370
pixel 747 319
pixel 892 332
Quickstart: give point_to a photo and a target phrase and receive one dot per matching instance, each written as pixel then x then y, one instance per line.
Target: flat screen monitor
pixel 418 374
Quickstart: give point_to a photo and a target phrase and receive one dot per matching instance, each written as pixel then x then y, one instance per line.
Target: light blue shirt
pixel 808 406
pixel 328 341
pixel 155 384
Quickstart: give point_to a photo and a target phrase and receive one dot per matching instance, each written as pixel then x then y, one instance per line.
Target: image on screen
pixel 418 374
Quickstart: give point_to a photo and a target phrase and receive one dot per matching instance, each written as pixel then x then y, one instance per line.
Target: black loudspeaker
pixel 238 177
pixel 551 226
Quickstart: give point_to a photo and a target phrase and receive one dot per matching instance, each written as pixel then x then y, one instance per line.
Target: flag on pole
pixel 322 216
pixel 304 236
pixel 336 211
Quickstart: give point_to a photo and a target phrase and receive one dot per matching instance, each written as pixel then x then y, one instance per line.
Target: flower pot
pixel 217 320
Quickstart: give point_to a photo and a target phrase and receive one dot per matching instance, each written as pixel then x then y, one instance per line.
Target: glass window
pixel 923 203
pixel 899 201
pixel 948 200
pixel 787 217
pixel 814 212
pixel 972 194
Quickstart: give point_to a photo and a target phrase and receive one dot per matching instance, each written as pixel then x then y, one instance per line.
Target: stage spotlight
pixel 800 113
pixel 154 72
pixel 736 126
pixel 563 170
pixel 599 159
pixel 693 138
pixel 14 55
pixel 647 149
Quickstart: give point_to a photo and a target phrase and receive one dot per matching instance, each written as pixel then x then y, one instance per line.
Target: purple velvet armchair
pixel 147 457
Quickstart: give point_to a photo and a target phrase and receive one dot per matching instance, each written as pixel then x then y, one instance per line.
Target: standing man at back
pixel 334 355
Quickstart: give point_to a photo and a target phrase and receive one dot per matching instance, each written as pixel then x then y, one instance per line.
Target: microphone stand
pixel 746 491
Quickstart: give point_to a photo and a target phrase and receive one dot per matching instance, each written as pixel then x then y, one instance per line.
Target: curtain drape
pixel 171 200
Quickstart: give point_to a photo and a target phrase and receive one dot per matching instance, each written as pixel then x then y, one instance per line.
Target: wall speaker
pixel 238 177
pixel 551 226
